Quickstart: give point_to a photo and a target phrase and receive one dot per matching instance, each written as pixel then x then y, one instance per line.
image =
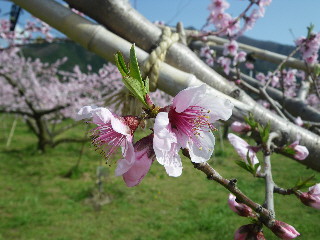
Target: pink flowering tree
pixel 274 108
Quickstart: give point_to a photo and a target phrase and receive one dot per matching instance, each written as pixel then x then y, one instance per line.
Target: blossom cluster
pixel 32 30
pixel 186 123
pixel 309 47
pixel 227 25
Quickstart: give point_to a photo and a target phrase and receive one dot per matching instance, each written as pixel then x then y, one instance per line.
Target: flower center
pixel 191 121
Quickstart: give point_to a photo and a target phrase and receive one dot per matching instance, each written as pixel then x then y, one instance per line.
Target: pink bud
pixel 148 100
pixel 301 152
pixel 240 127
pixel 144 156
pixel 250 231
pixel 284 230
pixel 311 198
pixel 239 208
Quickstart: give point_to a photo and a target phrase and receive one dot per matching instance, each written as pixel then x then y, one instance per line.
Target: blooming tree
pixel 203 97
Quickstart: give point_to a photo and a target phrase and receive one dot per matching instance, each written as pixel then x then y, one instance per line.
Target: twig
pixel 212 174
pixel 281 64
pixel 272 102
pixel 269 202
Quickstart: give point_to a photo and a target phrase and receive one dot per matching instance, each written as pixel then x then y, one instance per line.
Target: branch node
pixel 233 182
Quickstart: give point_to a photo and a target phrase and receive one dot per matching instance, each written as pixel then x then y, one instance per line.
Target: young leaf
pixel 134 66
pixel 121 65
pixel 306 182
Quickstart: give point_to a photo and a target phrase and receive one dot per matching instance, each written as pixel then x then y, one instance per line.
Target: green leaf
pixel 243 165
pixel 146 84
pixel 132 78
pixel 305 182
pixel 288 150
pixel 136 88
pixel 250 121
pixel 121 65
pixel 134 66
pixel 310 30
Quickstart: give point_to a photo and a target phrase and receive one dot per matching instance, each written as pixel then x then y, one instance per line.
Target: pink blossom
pixel 240 127
pixel 301 152
pixel 206 52
pixel 313 100
pixel 243 148
pixel 230 48
pixel 165 145
pixel 284 230
pixel 112 131
pixel 261 77
pixel 187 123
pixel 239 208
pixel 249 231
pixel 264 3
pixel 312 197
pixel 210 62
pixel 298 121
pixel 218 5
pixel 144 156
pixel 225 64
pixel 249 65
pixel 239 57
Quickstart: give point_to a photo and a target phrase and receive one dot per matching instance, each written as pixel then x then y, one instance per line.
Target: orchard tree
pixel 203 96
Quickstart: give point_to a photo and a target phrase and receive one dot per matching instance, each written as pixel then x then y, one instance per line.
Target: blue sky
pixel 282 16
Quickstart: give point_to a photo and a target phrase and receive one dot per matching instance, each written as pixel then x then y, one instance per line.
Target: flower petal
pixel 139 169
pixel 204 152
pixel 85 112
pixel 119 126
pixel 127 162
pixel 174 168
pixel 219 108
pixel 188 97
pixel 101 116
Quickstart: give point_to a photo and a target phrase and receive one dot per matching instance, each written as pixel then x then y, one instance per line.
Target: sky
pixel 284 19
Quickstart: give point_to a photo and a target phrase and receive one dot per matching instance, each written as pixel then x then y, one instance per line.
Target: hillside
pixel 76 54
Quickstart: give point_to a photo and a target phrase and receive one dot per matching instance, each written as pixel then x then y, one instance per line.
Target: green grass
pixel 36 202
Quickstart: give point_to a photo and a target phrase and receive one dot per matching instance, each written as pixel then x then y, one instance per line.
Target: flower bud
pixel 240 127
pixel 301 152
pixel 311 198
pixel 284 230
pixel 249 232
pixel 239 208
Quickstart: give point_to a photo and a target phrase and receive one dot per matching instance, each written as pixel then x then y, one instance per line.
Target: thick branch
pixel 127 21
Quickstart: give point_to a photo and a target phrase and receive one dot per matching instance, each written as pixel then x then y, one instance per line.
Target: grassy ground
pixel 37 202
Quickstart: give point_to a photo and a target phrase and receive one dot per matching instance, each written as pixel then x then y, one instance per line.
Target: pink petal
pixel 126 163
pixel 188 97
pixel 204 152
pixel 139 169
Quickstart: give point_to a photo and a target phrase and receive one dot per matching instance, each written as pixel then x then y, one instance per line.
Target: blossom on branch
pixel 240 127
pixel 301 152
pixel 187 123
pixel 249 231
pixel 312 197
pixel 112 131
pixel 244 149
pixel 239 208
pixel 284 230
pixel 144 156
